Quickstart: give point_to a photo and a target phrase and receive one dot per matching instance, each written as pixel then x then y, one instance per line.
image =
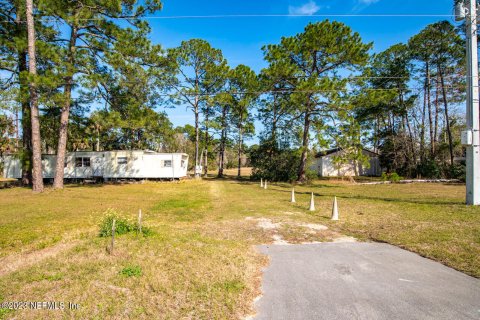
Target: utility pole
pixel 471 137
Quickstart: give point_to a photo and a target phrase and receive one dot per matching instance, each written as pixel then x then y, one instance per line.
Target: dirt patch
pixel 267 224
pixel 292 232
pixel 15 262
pixel 313 226
pixel 345 239
pixel 278 240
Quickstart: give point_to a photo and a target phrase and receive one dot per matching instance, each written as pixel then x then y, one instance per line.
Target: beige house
pixel 325 165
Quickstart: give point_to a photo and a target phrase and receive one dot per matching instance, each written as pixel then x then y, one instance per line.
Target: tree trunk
pixel 223 141
pixel 26 123
pixel 221 163
pixel 97 147
pixel 37 177
pixel 197 137
pixel 430 120
pixel 240 141
pixel 274 121
pixel 447 120
pixel 26 154
pixel 437 102
pixel 205 170
pixel 17 131
pixel 375 136
pixel 63 132
pixel 422 129
pixel 412 140
pixel 302 177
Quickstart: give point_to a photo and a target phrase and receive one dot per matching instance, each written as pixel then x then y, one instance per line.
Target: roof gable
pixel 335 150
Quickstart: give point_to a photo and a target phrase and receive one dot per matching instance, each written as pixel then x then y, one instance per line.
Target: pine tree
pixel 37 176
pixel 91 34
pixel 314 57
pixel 197 75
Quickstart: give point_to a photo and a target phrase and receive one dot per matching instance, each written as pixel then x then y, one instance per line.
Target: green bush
pixel 429 169
pixel 273 163
pixel 131 271
pixel 456 171
pixel 123 225
pixel 393 177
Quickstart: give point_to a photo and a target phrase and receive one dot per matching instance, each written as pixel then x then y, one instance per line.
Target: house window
pixel 183 163
pixel 81 162
pixel 65 163
pixel 167 163
pixel 122 160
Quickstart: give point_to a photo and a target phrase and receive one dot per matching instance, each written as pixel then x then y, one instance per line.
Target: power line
pixel 232 16
pixel 298 91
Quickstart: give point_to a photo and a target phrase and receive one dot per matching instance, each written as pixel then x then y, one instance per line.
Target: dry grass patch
pixel 181 271
pixel 199 262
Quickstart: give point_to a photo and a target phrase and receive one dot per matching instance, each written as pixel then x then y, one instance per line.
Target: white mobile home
pixel 325 165
pixel 134 164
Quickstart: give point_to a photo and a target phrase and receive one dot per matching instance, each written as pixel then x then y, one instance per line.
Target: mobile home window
pixel 122 160
pixel 167 163
pixel 82 162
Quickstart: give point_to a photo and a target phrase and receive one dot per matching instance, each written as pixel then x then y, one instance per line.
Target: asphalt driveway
pixel 362 281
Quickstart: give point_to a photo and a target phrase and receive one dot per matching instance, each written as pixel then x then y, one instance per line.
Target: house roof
pixel 335 150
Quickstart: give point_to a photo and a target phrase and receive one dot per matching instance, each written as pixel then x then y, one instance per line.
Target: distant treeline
pixel 101 85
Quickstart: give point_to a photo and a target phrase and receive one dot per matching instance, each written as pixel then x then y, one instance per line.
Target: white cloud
pixel 368 2
pixel 308 8
pixel 362 4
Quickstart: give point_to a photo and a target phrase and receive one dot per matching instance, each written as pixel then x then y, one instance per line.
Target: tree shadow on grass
pixel 287 188
pixel 399 200
pixel 87 185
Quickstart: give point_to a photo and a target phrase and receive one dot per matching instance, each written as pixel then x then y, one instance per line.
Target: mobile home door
pixel 97 165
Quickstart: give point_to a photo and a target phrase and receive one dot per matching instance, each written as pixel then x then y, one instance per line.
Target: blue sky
pixel 241 38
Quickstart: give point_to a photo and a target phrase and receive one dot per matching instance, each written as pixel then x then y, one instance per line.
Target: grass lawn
pixel 200 261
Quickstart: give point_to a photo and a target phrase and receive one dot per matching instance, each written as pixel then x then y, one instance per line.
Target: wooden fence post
pixel 113 236
pixel 140 221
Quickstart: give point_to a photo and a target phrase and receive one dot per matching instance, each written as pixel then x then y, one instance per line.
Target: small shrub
pixel 456 171
pixel 393 177
pixel 131 271
pixel 123 225
pixel 429 169
pixel 311 175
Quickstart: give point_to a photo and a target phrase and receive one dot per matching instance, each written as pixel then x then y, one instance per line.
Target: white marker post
pixel 312 204
pixel 293 196
pixel 261 182
pixel 335 210
pixel 265 185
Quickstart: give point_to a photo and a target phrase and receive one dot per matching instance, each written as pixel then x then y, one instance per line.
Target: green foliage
pixel 123 225
pixel 429 169
pixel 274 164
pixel 455 171
pixel 4 312
pixel 393 177
pixel 197 72
pixel 347 135
pixel 311 61
pixel 131 271
pixel 7 130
